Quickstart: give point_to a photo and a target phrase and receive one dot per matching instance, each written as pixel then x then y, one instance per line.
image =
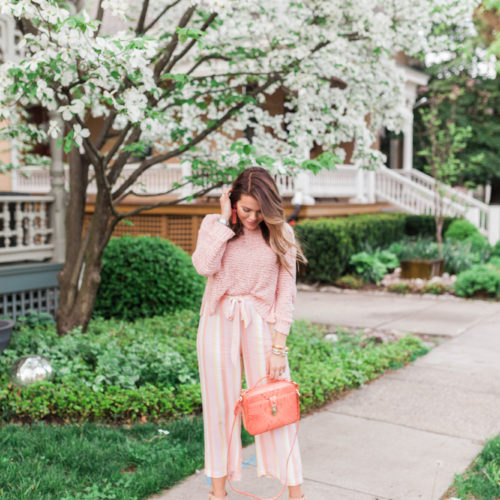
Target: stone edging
pixel 334 289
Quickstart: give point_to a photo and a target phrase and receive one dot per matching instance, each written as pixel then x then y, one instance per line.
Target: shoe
pixel 211 496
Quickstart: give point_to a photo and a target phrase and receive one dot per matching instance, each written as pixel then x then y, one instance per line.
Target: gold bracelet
pixel 280 347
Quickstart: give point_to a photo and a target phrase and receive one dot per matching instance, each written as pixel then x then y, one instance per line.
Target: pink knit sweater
pixel 245 265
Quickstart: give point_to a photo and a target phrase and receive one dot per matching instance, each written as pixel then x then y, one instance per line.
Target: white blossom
pixel 329 91
pixel 54 129
pixel 80 133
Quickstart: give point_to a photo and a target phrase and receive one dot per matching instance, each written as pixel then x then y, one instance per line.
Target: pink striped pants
pixel 237 329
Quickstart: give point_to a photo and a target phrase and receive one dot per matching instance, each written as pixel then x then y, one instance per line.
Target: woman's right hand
pixel 225 204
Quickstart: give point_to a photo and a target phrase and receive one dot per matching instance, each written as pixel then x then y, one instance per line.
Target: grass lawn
pixel 95 461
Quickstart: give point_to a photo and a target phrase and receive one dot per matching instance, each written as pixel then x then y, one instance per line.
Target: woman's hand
pixel 276 366
pixel 225 204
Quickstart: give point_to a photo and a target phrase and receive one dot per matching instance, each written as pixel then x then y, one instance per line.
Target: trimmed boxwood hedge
pixel 329 243
pixel 144 276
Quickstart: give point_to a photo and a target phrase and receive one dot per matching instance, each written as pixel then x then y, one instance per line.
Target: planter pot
pixel 421 268
pixel 6 326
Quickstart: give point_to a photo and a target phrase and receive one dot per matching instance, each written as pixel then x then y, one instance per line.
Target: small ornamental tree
pixel 185 80
pixel 445 141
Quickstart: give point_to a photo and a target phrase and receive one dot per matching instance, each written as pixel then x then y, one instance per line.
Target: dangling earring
pixel 234 215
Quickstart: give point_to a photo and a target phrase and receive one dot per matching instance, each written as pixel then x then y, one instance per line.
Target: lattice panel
pixel 142 224
pixel 18 304
pixel 180 231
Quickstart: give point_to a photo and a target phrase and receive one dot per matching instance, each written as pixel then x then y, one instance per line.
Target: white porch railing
pixel 410 190
pixel 413 191
pixel 25 228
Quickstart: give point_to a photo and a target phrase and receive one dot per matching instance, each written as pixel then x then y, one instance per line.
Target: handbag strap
pixel 237 409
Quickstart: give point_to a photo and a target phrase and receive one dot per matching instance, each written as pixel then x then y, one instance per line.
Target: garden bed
pixel 123 453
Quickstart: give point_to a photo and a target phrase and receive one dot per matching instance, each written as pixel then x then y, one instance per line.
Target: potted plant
pixel 6 326
pixel 419 258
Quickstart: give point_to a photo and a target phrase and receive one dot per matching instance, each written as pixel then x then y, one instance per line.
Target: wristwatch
pixel 223 221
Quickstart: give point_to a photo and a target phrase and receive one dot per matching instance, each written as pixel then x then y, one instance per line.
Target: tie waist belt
pixel 238 312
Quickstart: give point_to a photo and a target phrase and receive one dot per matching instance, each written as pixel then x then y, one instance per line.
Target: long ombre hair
pixel 258 183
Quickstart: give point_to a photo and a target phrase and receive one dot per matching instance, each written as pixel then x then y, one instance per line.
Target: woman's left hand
pixel 276 366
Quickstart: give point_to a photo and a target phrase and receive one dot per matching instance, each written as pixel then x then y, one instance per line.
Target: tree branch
pixel 188 47
pixel 176 152
pixel 158 17
pixel 144 208
pixel 140 24
pixel 99 17
pixel 145 195
pixel 153 161
pixel 173 43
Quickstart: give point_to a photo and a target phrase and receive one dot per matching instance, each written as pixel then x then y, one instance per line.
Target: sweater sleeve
pixel 212 240
pixel 286 292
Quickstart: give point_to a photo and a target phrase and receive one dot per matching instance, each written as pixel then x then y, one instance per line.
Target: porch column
pixel 58 212
pixel 494 224
pixel 411 95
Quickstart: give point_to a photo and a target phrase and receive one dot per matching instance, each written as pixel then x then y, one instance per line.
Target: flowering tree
pixel 186 79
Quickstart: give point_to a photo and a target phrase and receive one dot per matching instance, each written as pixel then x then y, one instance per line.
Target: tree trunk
pixel 80 276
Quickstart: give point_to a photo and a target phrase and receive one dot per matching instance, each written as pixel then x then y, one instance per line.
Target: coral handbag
pixel 265 408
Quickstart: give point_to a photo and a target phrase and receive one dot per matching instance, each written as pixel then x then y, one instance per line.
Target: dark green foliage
pixel 460 229
pixel 482 278
pixel 144 276
pixel 495 252
pixel 477 105
pixel 424 225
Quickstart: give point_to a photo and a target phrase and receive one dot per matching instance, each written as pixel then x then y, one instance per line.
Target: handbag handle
pixel 237 409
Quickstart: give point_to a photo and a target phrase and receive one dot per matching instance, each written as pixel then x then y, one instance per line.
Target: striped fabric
pixel 237 327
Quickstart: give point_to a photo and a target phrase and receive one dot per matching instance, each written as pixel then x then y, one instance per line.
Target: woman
pixel 249 253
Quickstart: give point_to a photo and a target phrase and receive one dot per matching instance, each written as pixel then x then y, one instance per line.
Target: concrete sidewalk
pixel 405 435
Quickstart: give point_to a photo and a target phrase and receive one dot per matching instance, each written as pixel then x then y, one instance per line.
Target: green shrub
pixel 459 256
pixel 436 288
pixel 495 262
pixel 144 276
pixel 479 244
pixel 460 229
pixel 495 251
pixel 349 281
pixel 373 267
pixel 401 287
pixel 424 225
pixel 415 248
pixel 481 278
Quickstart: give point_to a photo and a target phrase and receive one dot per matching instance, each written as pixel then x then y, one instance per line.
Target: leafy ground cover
pixel 481 481
pixel 117 386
